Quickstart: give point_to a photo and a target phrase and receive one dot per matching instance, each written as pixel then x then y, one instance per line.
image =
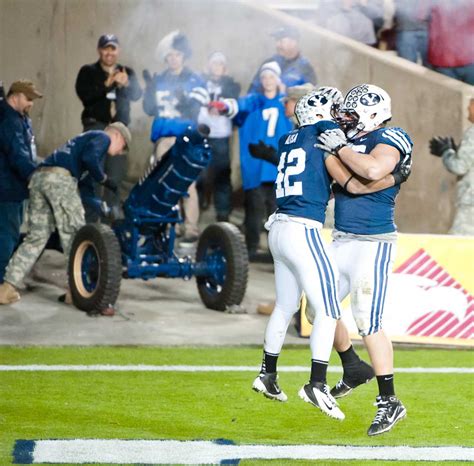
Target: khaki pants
pixel 54 203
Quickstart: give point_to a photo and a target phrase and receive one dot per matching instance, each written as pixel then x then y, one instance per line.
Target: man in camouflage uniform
pixel 460 162
pixel 55 200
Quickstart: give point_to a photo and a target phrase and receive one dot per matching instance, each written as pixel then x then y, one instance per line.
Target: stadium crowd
pixel 434 33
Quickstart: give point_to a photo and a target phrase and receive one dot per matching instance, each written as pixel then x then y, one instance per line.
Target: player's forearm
pixel 352 182
pixel 358 185
pixel 364 165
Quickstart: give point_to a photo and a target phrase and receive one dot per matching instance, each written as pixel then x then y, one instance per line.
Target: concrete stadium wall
pixel 49 40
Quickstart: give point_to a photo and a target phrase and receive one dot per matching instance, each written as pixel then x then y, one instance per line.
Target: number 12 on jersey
pixel 291 164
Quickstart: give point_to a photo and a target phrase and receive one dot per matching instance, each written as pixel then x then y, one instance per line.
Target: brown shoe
pixel 8 294
pixel 107 311
pixel 265 309
pixel 66 298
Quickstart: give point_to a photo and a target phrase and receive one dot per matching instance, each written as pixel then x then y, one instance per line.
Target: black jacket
pixel 91 90
pixel 224 87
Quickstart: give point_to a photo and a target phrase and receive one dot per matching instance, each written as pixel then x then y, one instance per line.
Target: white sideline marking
pixel 199 452
pixel 182 368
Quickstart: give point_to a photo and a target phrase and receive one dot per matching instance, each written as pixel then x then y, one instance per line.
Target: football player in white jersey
pixel 365 235
pixel 301 259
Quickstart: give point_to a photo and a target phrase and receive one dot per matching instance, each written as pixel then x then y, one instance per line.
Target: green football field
pixel 185 404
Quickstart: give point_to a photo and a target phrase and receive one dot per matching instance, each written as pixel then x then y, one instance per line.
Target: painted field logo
pixel 86 451
pixel 439 305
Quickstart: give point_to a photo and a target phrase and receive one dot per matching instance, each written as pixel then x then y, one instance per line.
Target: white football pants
pixel 364 272
pixel 302 264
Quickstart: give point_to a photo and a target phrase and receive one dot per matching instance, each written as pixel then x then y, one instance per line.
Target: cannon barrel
pixel 166 182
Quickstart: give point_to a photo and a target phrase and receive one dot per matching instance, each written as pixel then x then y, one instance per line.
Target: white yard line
pixel 204 452
pixel 184 368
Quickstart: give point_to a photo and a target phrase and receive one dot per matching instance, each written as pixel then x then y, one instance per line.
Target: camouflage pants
pixel 54 203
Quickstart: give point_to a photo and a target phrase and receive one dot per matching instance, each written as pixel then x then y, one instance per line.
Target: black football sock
pixel 269 363
pixel 386 387
pixel 318 370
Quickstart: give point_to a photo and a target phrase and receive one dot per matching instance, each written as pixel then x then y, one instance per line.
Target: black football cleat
pixel 390 411
pixel 267 384
pixel 317 393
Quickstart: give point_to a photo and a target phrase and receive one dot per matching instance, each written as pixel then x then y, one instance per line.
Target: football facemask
pixel 365 108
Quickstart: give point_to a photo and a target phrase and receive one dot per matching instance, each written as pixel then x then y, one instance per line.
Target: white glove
pixel 332 140
pixel 233 107
pixel 201 95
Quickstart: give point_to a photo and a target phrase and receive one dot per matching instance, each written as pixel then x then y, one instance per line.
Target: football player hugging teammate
pixel 303 187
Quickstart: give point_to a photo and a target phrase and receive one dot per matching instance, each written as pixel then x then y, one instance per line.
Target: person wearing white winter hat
pixel 261 117
pixel 215 181
pixel 270 76
pixel 271 66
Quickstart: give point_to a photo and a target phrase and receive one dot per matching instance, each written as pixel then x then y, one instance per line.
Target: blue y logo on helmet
pixel 370 99
pixel 317 100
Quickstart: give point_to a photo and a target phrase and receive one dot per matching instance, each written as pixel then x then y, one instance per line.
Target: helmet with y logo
pixel 365 108
pixel 316 105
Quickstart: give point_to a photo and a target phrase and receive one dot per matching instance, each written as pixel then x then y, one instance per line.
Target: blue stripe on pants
pixel 382 261
pixel 385 272
pixel 319 273
pixel 374 294
pixel 330 278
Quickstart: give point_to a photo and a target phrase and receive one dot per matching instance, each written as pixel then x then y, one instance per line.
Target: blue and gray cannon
pixel 141 244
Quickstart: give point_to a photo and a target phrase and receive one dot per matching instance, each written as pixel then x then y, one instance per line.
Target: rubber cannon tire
pixel 95 268
pixel 223 245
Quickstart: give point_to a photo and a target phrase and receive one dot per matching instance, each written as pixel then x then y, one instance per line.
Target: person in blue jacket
pixel 261 117
pixel 54 198
pixel 17 162
pixel 295 69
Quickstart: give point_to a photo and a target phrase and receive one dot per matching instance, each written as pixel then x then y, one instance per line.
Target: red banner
pixel 430 298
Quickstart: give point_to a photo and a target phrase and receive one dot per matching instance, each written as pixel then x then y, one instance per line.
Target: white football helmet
pixel 365 107
pixel 316 105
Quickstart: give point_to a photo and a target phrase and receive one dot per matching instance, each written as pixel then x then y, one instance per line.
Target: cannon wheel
pixel 95 268
pixel 222 246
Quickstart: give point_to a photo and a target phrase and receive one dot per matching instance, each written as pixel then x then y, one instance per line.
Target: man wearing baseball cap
pixel 17 162
pixel 295 69
pixel 55 202
pixel 106 89
pixel 27 88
